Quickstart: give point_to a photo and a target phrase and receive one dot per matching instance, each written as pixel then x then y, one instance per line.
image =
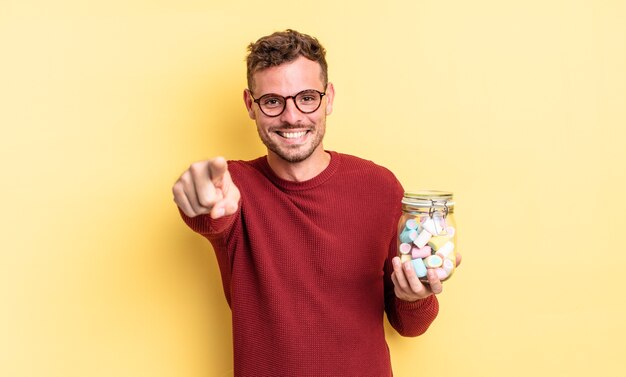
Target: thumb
pixel 231 196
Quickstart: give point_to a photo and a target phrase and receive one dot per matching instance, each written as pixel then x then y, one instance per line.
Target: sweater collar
pixel 335 160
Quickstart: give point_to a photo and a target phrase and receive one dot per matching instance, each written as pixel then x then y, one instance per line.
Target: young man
pixel 304 237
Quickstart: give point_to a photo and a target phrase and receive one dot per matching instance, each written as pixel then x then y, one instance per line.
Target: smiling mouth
pixel 291 135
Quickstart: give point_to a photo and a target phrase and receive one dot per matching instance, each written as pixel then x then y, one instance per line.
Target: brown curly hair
pixel 283 47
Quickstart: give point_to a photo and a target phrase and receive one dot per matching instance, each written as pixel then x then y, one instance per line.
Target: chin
pixel 294 157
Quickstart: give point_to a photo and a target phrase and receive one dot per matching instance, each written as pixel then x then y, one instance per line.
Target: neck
pixel 299 171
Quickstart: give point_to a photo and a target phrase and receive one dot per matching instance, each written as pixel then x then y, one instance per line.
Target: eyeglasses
pixel 307 101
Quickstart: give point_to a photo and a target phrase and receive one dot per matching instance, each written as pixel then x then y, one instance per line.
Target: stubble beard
pixel 299 153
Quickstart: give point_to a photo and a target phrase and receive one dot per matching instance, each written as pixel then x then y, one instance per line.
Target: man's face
pixel 293 136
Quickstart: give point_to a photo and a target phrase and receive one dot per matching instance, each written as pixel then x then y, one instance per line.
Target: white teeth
pixel 293 135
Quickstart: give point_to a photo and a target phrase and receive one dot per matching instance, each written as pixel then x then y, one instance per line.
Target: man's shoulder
pixel 246 165
pixel 247 171
pixel 370 179
pixel 364 166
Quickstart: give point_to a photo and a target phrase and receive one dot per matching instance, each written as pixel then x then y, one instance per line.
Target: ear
pixel 330 96
pixel 247 99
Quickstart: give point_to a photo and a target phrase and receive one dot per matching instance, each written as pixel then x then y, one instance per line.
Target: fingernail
pixel 219 213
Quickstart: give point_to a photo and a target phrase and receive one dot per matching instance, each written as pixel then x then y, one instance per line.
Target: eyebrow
pixel 302 91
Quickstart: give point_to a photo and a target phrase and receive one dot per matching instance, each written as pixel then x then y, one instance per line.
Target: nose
pixel 291 114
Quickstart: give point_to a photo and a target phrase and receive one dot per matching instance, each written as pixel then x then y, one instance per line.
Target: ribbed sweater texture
pixel 306 270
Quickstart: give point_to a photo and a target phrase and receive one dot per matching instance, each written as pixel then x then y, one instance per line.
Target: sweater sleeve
pixel 210 228
pixel 408 318
pixel 219 232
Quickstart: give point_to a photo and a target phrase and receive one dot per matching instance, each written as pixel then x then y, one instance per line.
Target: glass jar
pixel 427 233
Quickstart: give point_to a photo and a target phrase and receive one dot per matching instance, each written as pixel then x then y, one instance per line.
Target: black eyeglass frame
pixel 258 100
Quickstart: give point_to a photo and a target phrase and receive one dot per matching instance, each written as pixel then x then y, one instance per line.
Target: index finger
pixel 217 169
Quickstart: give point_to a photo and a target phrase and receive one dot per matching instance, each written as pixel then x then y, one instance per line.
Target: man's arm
pixel 410 304
pixel 409 312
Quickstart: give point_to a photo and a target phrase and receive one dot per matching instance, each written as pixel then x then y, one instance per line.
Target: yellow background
pixel 518 107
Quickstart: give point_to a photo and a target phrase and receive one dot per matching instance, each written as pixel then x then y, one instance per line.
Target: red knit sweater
pixel 306 270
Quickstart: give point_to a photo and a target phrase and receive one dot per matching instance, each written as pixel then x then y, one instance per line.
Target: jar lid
pixel 428 198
